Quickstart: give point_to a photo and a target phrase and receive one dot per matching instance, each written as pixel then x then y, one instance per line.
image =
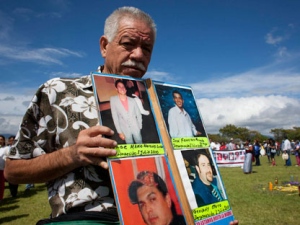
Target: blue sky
pixel 241 57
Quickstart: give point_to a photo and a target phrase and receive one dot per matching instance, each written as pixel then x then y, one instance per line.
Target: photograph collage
pixel 143 181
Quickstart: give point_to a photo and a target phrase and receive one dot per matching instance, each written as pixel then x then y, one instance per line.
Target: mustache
pixel 136 64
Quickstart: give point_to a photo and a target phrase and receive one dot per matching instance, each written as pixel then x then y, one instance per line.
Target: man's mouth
pixel 153 219
pixel 134 65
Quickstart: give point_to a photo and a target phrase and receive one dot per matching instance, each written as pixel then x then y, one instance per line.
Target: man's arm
pixel 172 123
pixel 114 113
pixel 193 127
pixel 49 166
pixel 138 114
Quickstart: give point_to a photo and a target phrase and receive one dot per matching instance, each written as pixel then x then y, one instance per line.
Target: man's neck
pixel 123 97
pixel 180 108
pixel 205 182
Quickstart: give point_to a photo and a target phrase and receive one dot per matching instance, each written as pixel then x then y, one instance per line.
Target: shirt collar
pixel 179 110
pixel 87 80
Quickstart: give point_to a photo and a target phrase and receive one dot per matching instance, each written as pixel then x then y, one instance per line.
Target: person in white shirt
pixel 230 146
pixel 180 123
pixel 287 148
pixel 2 164
pixel 213 145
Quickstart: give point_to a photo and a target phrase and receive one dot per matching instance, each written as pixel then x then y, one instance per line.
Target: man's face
pixel 154 207
pixel 133 43
pixel 10 141
pixel 178 100
pixel 121 89
pixel 204 170
pixel 2 142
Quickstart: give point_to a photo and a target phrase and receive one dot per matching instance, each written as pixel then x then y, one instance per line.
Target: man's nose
pixel 148 208
pixel 137 53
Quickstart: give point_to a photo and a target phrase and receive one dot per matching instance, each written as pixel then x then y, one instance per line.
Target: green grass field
pixel 251 201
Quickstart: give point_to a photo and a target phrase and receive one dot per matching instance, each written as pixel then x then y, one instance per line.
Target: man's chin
pixel 210 178
pixel 133 73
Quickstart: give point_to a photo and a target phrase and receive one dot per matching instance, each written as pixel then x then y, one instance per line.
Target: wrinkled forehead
pixel 136 28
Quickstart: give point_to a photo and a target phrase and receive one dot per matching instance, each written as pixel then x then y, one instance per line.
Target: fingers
pixel 101 152
pixel 102 163
pixel 92 146
pixel 122 136
pixel 96 156
pixel 96 130
pixel 96 137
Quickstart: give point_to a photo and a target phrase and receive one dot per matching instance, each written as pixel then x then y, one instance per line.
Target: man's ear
pixel 197 168
pixel 168 200
pixel 103 46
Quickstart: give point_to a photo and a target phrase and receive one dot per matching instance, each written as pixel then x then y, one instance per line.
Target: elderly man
pixel 60 141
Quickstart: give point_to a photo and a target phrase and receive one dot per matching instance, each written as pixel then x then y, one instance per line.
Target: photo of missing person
pixel 180 111
pixel 205 186
pixel 125 108
pixel 146 195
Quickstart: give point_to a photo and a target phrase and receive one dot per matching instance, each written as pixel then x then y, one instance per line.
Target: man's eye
pixel 152 199
pixel 127 44
pixel 147 49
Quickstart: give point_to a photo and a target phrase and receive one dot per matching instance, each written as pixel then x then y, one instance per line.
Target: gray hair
pixel 112 22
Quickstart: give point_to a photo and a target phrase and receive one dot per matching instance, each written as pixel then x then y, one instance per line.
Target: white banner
pixel 234 158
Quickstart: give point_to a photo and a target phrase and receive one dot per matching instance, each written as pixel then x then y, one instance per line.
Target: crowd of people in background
pixel 269 147
pixel 5 145
pixel 4 148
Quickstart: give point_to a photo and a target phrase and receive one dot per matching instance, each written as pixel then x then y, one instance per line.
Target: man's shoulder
pixel 178 220
pixel 113 98
pixel 173 109
pixel 82 81
pixel 196 183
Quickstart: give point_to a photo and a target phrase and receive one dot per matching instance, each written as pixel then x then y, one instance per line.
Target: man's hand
pixel 122 136
pixel 198 133
pixel 235 222
pixel 92 147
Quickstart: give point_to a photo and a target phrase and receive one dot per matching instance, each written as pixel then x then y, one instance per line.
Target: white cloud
pixel 272 39
pixel 38 55
pixel 267 80
pixel 27 14
pixel 65 75
pixel 6 24
pixel 260 99
pixel 24 13
pixel 159 75
pixel 14 110
pixel 249 85
pixel 49 15
pixel 13 48
pixel 261 113
pixel 282 52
